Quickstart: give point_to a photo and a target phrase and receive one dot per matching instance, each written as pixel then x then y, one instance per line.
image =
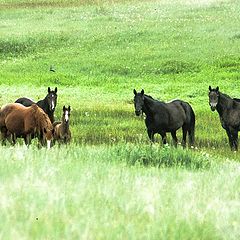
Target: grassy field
pixel 109 183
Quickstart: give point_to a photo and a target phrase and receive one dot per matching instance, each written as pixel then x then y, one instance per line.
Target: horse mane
pixel 149 96
pixel 225 95
pixel 41 118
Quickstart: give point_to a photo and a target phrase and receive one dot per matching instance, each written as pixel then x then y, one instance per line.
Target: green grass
pixel 93 193
pixel 110 183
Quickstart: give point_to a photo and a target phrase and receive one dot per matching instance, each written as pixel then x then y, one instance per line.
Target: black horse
pixel 48 104
pixel 229 112
pixel 164 117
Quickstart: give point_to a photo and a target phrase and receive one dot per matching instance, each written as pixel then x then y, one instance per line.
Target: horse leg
pixel 14 138
pixel 3 135
pixel 150 135
pixel 175 140
pixel 235 139
pixel 164 137
pixel 230 138
pixel 27 139
pixel 184 136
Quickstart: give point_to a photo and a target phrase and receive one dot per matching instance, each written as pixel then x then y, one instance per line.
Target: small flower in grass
pixel 86 114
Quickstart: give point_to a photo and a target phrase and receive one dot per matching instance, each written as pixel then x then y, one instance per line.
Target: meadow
pixel 110 183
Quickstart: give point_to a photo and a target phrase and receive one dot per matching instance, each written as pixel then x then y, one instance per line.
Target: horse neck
pixel 148 106
pixel 44 105
pixel 64 125
pixel 224 103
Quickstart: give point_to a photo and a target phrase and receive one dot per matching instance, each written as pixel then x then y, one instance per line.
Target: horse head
pixel 44 127
pixel 48 136
pixel 138 101
pixel 66 114
pixel 213 97
pixel 52 98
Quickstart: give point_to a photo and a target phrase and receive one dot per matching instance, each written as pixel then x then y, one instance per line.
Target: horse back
pixel 19 119
pixel 24 101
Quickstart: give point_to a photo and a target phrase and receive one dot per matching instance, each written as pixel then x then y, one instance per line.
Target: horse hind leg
pixel 184 136
pixel 174 136
pixel 14 138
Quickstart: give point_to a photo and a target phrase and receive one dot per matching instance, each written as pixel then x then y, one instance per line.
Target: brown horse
pixel 62 132
pixel 18 121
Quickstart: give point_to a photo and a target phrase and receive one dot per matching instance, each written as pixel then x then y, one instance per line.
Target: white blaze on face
pixel 66 116
pixel 53 106
pixel 48 144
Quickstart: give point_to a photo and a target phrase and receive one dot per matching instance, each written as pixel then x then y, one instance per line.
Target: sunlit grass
pixel 91 192
pixel 110 182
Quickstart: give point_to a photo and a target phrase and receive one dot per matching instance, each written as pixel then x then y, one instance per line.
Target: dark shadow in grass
pixel 176 67
pixel 231 64
pixel 151 155
pixel 15 47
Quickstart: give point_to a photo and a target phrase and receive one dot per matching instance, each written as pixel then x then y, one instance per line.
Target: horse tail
pixel 190 122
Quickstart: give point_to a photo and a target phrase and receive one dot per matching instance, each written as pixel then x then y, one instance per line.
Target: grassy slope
pixel 101 52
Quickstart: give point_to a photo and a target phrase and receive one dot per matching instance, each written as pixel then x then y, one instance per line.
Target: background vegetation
pixel 110 183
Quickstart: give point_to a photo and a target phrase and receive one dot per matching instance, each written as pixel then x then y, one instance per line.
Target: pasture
pixel 110 183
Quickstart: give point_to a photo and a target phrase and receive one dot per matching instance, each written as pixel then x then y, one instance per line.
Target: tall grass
pixel 110 183
pixel 92 193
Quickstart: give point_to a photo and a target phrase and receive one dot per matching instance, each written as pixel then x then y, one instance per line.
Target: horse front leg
pixel 230 138
pixel 235 139
pixel 164 137
pixel 150 135
pixel 27 139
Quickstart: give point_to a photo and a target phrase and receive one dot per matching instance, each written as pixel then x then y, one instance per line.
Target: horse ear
pixel 49 90
pixel 217 88
pixel 135 92
pixel 142 92
pixel 210 89
pixel 64 108
pixel 69 108
pixel 55 89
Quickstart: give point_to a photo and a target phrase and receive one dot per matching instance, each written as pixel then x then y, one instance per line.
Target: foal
pixel 62 132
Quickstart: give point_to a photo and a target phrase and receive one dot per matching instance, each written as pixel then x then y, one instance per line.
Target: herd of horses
pixel 27 119
pixel 164 117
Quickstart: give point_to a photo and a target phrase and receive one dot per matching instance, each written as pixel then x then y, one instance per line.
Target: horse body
pixel 229 114
pixel 164 117
pixel 25 122
pixel 62 132
pixel 48 104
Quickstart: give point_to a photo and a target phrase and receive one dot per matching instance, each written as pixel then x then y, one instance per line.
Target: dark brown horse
pixel 62 132
pixel 18 121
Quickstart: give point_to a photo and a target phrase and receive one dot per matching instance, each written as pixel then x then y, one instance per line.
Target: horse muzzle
pixel 213 108
pixel 138 113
